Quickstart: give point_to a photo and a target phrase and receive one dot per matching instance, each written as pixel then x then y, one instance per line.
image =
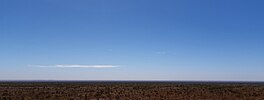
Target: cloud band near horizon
pixel 75 66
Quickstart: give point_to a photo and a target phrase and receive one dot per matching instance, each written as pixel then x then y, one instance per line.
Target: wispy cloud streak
pixel 161 53
pixel 75 66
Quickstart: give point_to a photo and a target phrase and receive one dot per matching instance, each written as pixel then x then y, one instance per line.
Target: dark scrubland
pixel 131 91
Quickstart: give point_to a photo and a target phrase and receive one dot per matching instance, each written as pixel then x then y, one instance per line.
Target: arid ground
pixel 131 91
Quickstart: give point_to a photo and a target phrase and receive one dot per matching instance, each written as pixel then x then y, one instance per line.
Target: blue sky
pixel 132 40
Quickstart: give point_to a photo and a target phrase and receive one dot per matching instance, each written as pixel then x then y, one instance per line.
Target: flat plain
pixel 129 90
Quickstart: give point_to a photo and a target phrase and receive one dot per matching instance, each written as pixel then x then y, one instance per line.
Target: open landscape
pixel 131 50
pixel 128 90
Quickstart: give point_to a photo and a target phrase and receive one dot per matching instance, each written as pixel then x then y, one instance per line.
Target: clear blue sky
pixel 132 40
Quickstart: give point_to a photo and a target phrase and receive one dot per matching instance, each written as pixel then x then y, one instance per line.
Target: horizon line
pixel 235 81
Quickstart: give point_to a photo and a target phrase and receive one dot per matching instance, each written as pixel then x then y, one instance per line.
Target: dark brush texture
pixel 130 91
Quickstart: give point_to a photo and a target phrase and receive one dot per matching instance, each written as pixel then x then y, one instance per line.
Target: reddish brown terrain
pixel 130 91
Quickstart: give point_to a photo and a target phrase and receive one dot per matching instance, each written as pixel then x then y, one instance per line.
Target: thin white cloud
pixel 76 66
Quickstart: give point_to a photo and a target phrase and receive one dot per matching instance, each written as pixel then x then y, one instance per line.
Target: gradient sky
pixel 132 40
